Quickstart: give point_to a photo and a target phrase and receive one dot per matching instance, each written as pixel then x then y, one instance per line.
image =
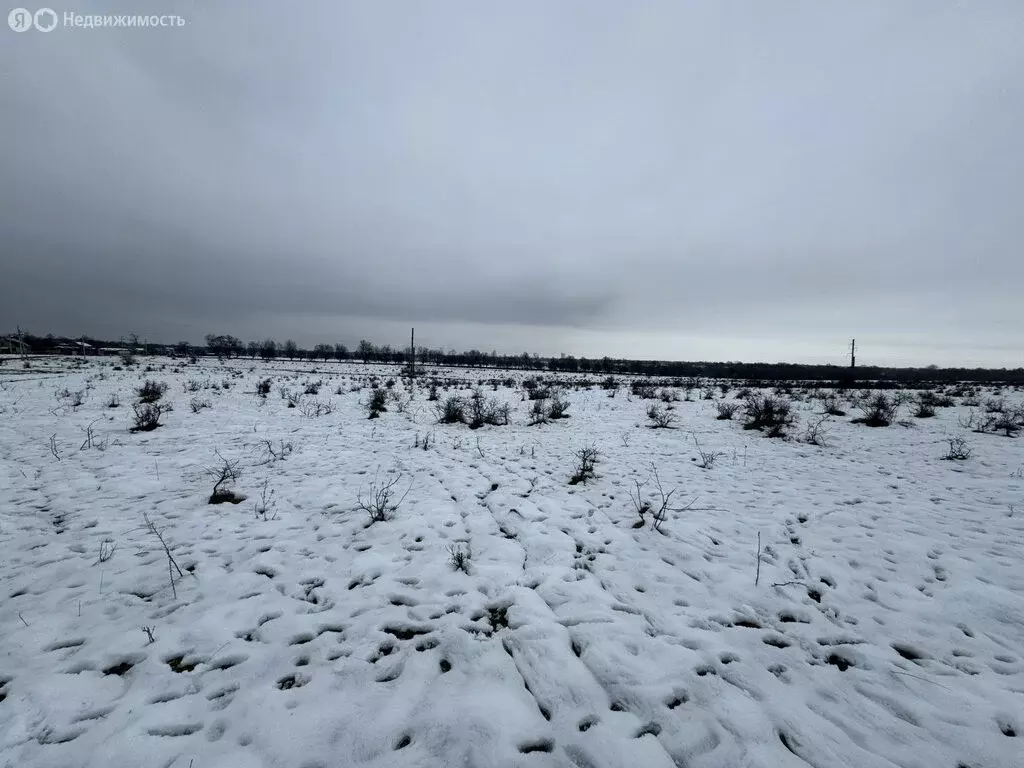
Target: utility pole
pixel 412 354
pixel 853 354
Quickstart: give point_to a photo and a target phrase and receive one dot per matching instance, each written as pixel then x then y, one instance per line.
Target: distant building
pixel 74 348
pixel 12 345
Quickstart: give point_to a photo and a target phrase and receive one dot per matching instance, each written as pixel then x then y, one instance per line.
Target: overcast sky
pixel 688 180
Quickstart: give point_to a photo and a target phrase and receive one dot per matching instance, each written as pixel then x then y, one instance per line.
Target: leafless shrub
pixel 659 504
pixel 172 564
pixel 726 410
pixel 817 429
pixel 147 416
pixel 151 391
pixel 312 388
pixel 432 392
pixel 1006 422
pixel 645 390
pixel 263 387
pixel 981 423
pixel 924 406
pixel 451 411
pixel 225 473
pixel 832 405
pixel 879 410
pixel 995 405
pixel 641 505
pixel 460 555
pixel 669 395
pixel 379 501
pixel 149 635
pixel 113 401
pixel 314 409
pixel 586 459
pixel 707 458
pixel 661 418
pixel 768 412
pixel 377 404
pixel 958 449
pixel 107 550
pixel 197 404
pixel 557 406
pixel 264 508
pixel 400 399
pixel 539 413
pixel 273 453
pixel 90 439
pixel 483 411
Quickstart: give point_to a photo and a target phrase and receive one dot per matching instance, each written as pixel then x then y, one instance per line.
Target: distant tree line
pixel 227 346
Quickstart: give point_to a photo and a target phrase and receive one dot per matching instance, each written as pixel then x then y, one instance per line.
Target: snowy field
pixel 882 624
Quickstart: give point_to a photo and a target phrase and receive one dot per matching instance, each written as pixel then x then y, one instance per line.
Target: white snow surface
pixel 886 628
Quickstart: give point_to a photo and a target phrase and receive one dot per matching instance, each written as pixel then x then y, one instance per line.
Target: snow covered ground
pixel 886 627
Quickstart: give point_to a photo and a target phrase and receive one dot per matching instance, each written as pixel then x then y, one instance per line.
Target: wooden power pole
pixel 412 354
pixel 853 354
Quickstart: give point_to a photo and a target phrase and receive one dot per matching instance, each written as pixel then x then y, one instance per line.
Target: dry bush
pixel 661 418
pixel 539 413
pixel 586 459
pixel 768 413
pixel 659 506
pixel 707 458
pixel 726 410
pixel 377 404
pixel 460 555
pixel 451 411
pixel 226 473
pixel 197 404
pixel 995 405
pixel 313 409
pixel 1007 423
pixel 816 430
pixel 483 411
pixel 645 390
pixel 558 406
pixel 379 502
pixel 151 391
pixel 147 416
pixel 958 449
pixel 832 405
pixel 879 410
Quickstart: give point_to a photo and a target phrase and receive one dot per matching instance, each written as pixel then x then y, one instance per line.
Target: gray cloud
pixel 729 181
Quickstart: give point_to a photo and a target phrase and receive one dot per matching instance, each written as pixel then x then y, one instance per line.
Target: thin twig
pixel 172 564
pixel 758 577
pixel 917 677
